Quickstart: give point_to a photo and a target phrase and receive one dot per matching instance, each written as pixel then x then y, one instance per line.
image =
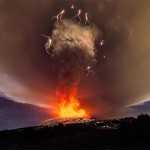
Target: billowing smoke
pixel 74 49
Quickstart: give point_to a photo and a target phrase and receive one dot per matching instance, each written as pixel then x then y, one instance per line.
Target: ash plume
pixel 74 49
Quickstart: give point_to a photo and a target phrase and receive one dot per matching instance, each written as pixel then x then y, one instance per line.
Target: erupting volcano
pixel 72 46
pixel 71 108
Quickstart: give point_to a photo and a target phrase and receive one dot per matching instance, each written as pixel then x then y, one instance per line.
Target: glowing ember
pixel 71 109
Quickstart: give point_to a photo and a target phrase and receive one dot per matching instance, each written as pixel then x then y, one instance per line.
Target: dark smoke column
pixel 74 49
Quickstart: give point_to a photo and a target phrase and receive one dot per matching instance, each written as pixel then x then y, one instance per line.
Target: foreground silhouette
pixel 124 133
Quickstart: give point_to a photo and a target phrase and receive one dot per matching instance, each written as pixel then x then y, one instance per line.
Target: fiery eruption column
pixel 74 50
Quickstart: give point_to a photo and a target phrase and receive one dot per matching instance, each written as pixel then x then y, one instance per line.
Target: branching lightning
pixel 89 70
pixel 59 16
pixel 47 44
pixel 78 15
pixel 87 19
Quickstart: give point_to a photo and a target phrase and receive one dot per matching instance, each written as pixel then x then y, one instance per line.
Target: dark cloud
pixel 135 109
pixel 122 78
pixel 17 115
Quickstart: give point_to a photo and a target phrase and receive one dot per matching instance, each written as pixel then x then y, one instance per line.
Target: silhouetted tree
pixel 143 118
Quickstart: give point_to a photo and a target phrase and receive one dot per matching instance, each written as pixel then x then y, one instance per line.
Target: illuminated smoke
pixel 74 49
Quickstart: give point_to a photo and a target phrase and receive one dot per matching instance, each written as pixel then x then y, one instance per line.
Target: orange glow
pixel 71 109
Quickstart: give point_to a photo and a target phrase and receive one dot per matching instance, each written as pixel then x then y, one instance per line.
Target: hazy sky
pixel 28 74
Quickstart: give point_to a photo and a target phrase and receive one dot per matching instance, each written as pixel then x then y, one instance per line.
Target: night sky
pixel 120 85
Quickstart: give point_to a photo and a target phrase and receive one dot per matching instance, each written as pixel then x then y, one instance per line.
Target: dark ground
pixel 126 133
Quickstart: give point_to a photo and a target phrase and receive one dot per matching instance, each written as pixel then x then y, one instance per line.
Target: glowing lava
pixel 71 109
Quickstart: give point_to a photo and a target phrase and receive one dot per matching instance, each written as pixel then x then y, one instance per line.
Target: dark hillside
pixel 125 133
